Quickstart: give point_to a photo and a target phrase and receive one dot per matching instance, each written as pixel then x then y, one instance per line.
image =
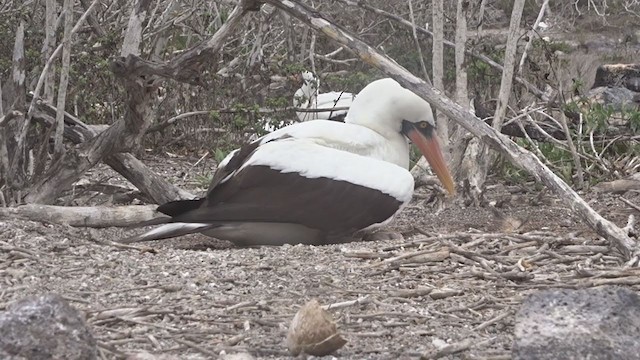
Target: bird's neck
pixel 397 150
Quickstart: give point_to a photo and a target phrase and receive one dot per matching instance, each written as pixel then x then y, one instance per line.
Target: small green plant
pixel 293 69
pixel 634 122
pixel 597 117
pixel 277 102
pixel 578 86
pixel 203 180
pixel 219 155
pixel 214 116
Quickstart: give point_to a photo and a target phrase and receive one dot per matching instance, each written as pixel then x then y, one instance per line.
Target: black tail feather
pixel 154 221
pixel 179 207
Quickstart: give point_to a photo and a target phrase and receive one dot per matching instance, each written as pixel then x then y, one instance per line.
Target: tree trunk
pixel 48 47
pixel 483 157
pixel 438 69
pixel 64 79
pixel 15 100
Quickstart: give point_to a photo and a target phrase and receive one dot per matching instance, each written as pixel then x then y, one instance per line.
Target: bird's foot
pixel 382 235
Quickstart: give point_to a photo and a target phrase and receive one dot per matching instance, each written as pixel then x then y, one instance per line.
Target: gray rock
pixel 598 323
pixel 45 327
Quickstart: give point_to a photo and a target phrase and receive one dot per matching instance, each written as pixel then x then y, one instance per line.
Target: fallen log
pixel 620 186
pixel 90 216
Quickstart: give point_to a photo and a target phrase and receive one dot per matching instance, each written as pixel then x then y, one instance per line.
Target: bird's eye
pixel 423 124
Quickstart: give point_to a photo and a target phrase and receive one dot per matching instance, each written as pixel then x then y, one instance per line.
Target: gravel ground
pixel 457 277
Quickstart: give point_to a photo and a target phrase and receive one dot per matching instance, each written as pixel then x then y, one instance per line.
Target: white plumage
pixel 309 97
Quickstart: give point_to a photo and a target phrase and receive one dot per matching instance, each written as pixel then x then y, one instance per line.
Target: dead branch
pixel 530 87
pixel 517 155
pixel 187 67
pixel 619 186
pixel 92 21
pixel 125 132
pixel 636 207
pixel 531 33
pixel 155 186
pixel 147 181
pixel 96 216
pixel 64 80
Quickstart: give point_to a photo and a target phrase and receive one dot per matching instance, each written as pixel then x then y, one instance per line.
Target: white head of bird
pixel 396 113
pixel 392 106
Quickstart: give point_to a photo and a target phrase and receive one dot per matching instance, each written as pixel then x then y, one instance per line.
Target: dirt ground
pixel 457 277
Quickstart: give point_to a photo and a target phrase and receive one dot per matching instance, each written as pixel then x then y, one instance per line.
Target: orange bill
pixel 423 135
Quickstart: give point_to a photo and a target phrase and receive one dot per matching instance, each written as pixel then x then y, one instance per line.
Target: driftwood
pixel 620 186
pixel 516 154
pixel 94 216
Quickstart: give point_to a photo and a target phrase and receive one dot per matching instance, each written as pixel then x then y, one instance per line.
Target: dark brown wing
pixel 261 194
pixel 237 159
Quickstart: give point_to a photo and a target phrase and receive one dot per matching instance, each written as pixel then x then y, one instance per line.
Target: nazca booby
pixel 309 97
pixel 315 182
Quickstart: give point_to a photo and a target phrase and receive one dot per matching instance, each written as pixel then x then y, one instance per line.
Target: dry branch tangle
pixel 517 155
pixel 134 73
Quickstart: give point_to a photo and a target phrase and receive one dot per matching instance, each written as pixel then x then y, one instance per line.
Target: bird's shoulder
pixel 319 139
pixel 332 134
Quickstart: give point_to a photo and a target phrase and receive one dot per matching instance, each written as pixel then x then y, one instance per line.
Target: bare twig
pixel 359 301
pixel 425 74
pixel 543 8
pixel 573 150
pixel 630 203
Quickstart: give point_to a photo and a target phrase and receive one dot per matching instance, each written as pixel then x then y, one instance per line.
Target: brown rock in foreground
pixel 313 332
pixel 598 323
